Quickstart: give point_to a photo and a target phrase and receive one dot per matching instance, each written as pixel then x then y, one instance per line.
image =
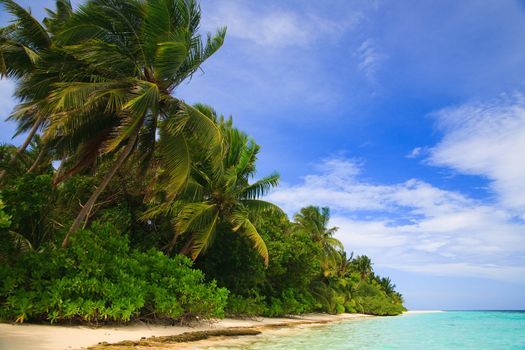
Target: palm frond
pixel 176 160
pixel 203 238
pixel 156 27
pixel 33 34
pixel 183 118
pixel 190 216
pixel 168 58
pixel 56 19
pixel 261 187
pixel 258 207
pixel 244 226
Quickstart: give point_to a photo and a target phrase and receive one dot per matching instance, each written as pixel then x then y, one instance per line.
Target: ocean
pixel 439 330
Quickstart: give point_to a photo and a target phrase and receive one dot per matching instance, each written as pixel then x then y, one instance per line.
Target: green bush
pixel 28 202
pixel 380 306
pixel 339 309
pixel 240 306
pixel 291 302
pixel 5 219
pixel 371 299
pixel 99 278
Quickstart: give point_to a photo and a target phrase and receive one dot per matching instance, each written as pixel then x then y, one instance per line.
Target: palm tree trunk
pixel 59 171
pixel 23 147
pixel 62 175
pixel 107 178
pixel 38 160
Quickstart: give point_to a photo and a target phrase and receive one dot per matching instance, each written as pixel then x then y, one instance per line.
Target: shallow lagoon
pixel 442 330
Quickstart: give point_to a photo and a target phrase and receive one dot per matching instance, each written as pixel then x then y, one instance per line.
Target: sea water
pixel 440 330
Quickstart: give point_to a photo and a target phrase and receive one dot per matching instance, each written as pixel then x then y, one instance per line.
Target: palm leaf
pixel 257 206
pixel 176 160
pixel 32 32
pixel 203 238
pixel 261 187
pixel 156 26
pixel 183 118
pixel 169 57
pixel 244 226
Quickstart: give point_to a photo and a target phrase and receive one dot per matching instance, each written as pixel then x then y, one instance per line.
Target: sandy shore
pixel 43 337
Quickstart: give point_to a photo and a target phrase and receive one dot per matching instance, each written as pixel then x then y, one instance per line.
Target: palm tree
pixel 25 159
pixel 21 46
pixel 220 194
pixel 344 266
pixel 108 87
pixel 314 221
pixel 387 285
pixel 363 265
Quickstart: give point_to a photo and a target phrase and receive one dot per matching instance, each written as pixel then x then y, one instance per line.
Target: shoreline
pixel 47 337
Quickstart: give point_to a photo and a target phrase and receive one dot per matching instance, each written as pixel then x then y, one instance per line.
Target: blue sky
pixel 407 118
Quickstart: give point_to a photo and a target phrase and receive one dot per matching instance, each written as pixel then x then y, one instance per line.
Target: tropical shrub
pixel 371 299
pixel 100 278
pixel 28 202
pixel 5 219
pixel 280 289
pixel 251 306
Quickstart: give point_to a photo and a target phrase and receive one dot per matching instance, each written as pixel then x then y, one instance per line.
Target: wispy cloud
pixel 278 27
pixel 370 58
pixel 416 152
pixel 487 139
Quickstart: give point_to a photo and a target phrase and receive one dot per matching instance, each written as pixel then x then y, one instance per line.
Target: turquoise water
pixel 444 330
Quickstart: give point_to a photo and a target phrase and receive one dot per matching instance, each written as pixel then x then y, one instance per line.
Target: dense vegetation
pixel 124 202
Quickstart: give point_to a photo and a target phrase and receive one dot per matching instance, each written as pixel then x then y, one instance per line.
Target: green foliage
pixel 233 264
pixel 313 221
pixel 295 281
pixel 220 195
pixel 381 306
pixel 5 219
pixel 246 306
pixel 27 202
pixel 100 278
pixel 280 289
pixel 291 302
pixel 371 298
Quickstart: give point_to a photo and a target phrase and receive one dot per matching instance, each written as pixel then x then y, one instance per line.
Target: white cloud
pixel 413 226
pixel 370 58
pixel 487 139
pixel 276 27
pixel 416 152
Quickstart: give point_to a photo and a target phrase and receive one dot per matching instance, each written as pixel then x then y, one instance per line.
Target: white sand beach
pixel 46 337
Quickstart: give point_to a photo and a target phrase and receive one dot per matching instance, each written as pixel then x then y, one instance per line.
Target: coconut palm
pixel 109 84
pixel 388 287
pixel 21 46
pixel 220 194
pixel 363 265
pixel 314 221
pixel 343 268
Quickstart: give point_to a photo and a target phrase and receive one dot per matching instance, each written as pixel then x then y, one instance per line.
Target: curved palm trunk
pixel 59 171
pixel 23 147
pixel 61 175
pixel 91 201
pixel 37 161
